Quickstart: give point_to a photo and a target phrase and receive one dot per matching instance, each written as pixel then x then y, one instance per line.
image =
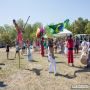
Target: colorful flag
pixel 60 27
pixel 66 23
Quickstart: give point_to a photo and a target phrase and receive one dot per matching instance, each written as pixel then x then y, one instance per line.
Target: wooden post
pixel 19 59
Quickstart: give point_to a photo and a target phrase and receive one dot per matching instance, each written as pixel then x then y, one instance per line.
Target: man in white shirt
pixel 86 49
pixel 88 61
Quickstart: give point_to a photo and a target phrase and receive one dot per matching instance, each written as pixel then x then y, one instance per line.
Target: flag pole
pixel 26 22
pixel 23 29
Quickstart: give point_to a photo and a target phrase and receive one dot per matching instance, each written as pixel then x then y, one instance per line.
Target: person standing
pixel 55 46
pixel 50 46
pixel 7 50
pixel 42 46
pixel 19 33
pixel 52 63
pixel 88 60
pixel 84 52
pixel 51 57
pixel 23 48
pixel 62 46
pixel 45 46
pixel 70 50
pixel 65 46
pixel 17 50
pixel 29 54
pixel 85 46
pixel 77 43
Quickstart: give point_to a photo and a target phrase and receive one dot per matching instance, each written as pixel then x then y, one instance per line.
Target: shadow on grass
pixel 56 57
pixel 11 59
pixel 45 56
pixel 2 64
pixel 60 62
pixel 79 67
pixel 21 58
pixel 37 71
pixel 67 76
pixel 33 61
pixel 2 84
pixel 82 70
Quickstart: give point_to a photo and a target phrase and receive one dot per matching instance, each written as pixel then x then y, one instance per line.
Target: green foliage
pixel 27 32
pixel 8 32
pixel 21 23
pixel 87 28
pixel 79 26
pixel 49 31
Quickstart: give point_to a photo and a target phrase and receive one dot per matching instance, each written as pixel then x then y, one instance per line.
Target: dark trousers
pixel 76 48
pixel 42 50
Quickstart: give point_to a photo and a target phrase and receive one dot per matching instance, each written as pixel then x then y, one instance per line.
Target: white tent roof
pixel 64 32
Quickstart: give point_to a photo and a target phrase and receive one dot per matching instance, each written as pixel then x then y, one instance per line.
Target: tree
pixel 87 31
pixel 21 23
pixel 78 26
pixel 27 33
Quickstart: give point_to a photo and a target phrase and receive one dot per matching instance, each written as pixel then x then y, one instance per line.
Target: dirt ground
pixel 35 75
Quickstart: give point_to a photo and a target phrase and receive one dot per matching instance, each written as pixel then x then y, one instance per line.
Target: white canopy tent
pixel 65 32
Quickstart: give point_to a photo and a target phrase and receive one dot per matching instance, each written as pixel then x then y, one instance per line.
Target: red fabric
pixel 42 38
pixel 42 50
pixel 70 43
pixel 70 56
pixel 42 46
pixel 19 35
pixel 37 43
pixel 28 43
pixel 70 50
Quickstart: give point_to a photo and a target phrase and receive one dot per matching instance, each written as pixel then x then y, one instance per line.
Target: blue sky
pixel 44 11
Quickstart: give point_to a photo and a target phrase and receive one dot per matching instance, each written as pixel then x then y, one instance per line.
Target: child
pixel 29 53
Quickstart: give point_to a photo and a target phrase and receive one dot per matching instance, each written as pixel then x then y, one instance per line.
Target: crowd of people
pixel 68 47
pixel 50 46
